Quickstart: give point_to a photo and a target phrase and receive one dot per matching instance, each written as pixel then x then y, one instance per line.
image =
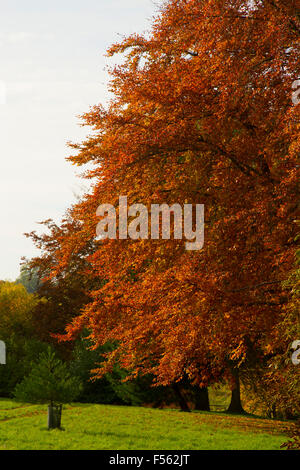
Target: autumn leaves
pixel 218 129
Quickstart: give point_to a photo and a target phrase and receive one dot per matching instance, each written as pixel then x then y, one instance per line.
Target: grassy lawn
pixel 96 427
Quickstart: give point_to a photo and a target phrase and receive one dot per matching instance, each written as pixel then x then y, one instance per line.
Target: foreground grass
pixel 96 427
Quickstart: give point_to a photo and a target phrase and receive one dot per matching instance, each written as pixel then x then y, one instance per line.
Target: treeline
pixel 26 331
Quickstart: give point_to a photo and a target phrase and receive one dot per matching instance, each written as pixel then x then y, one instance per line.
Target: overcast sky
pixel 52 67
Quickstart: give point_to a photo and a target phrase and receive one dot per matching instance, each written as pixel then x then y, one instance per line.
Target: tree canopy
pixel 202 114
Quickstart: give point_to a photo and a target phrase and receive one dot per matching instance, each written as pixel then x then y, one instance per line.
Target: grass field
pixel 96 427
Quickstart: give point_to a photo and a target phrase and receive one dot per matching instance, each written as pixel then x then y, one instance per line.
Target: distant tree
pixel 49 382
pixel 29 278
pixel 16 307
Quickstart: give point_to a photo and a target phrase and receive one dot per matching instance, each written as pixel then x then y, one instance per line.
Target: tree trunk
pixel 181 400
pixel 201 399
pixel 54 416
pixel 236 404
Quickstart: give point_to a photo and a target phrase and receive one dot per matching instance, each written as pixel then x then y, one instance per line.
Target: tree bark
pixel 201 399
pixel 181 400
pixel 54 416
pixel 236 404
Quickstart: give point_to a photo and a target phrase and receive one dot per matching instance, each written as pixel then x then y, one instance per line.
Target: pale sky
pixel 52 68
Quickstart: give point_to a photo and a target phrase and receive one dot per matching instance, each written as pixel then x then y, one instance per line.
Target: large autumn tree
pixel 202 114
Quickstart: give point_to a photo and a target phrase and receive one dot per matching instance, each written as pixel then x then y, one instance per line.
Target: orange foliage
pixel 202 114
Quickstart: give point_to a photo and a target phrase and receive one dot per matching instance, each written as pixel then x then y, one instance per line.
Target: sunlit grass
pixel 94 427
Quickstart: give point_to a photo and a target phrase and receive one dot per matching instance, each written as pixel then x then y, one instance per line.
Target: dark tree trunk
pixel 201 399
pixel 181 400
pixel 236 404
pixel 54 416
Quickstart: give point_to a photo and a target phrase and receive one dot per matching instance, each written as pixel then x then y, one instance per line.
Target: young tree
pixel 49 382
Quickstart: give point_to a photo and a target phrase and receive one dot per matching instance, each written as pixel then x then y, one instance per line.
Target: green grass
pixel 94 427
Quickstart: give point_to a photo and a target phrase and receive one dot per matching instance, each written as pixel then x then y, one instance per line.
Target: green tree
pixel 20 353
pixel 84 360
pixel 112 387
pixel 49 382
